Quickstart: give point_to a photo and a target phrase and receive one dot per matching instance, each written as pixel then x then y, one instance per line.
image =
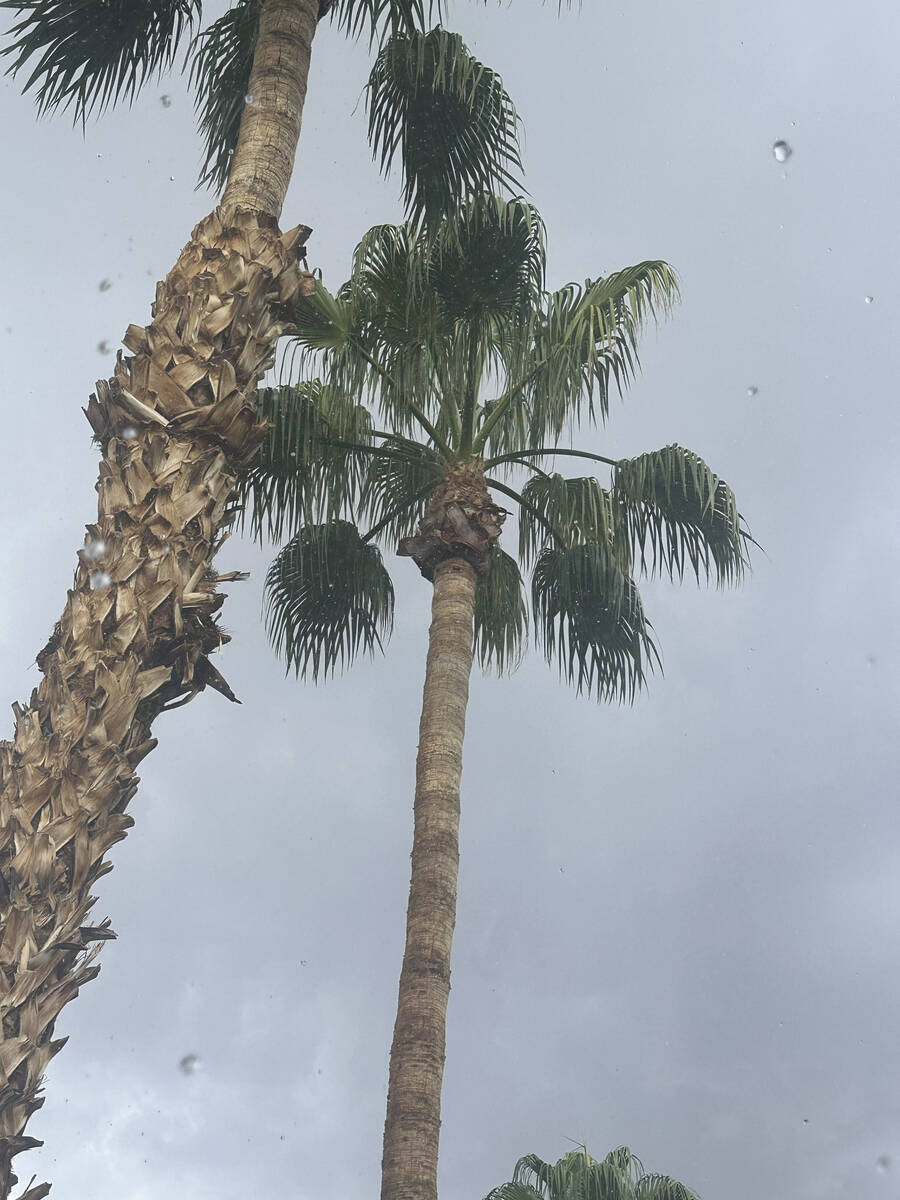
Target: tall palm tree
pixel 577 1176
pixel 439 373
pixel 175 425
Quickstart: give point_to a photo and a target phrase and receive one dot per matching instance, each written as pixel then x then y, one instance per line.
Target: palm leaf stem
pixel 547 451
pixel 529 508
pixel 468 416
pixel 411 405
pixel 379 451
pixel 500 405
pixel 395 512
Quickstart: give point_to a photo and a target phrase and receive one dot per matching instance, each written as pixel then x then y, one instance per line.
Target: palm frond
pixel 588 615
pixel 91 55
pixel 514 1191
pixel 489 259
pixel 681 514
pixel 661 1187
pixel 448 116
pixel 381 18
pixel 577 342
pixel 579 509
pixel 399 478
pixel 328 597
pixel 311 464
pixel 222 58
pixel 501 618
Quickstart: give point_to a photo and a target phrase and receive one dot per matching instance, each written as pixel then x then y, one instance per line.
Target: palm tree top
pixel 444 355
pixel 578 1176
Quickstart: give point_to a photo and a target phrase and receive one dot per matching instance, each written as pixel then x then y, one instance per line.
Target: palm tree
pixel 175 424
pixel 440 372
pixel 577 1176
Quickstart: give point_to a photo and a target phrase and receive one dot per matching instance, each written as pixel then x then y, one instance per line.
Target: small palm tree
pixel 175 425
pixel 577 1176
pixel 428 382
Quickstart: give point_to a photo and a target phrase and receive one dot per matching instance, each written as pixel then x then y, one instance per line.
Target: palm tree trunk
pixel 412 1127
pixel 175 424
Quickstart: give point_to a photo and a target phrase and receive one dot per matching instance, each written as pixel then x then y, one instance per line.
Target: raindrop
pixel 104 347
pixel 129 432
pixel 248 98
pixel 104 285
pixel 166 101
pixel 752 390
pixel 190 1064
pixel 782 151
pixel 870 299
pixel 871 660
pixel 883 1162
pixel 95 549
pixel 806 1120
pixel 99 580
pixel 302 962
pixel 171 179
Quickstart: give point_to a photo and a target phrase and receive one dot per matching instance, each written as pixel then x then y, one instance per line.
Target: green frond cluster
pixel 449 118
pixel 381 18
pixel 90 55
pixel 588 616
pixel 329 596
pixel 573 510
pixel 681 514
pixel 501 617
pixel 222 58
pixel 399 479
pixel 578 1176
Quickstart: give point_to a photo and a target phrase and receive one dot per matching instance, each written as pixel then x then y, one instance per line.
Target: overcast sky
pixel 679 922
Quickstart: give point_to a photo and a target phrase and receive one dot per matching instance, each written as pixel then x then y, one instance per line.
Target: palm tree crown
pixel 578 1176
pixel 436 374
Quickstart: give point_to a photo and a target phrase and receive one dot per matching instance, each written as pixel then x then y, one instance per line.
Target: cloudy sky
pixel 678 922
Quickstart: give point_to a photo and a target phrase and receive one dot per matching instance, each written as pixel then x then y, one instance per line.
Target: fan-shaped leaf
pixel 91 56
pixel 588 615
pixel 312 461
pixel 399 478
pixel 681 514
pixel 329 596
pixel 501 618
pixel 220 76
pixel 580 510
pixel 447 115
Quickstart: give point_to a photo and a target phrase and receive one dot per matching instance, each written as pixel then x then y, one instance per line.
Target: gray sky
pixel 678 922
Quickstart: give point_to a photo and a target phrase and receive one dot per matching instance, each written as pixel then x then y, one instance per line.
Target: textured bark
pixel 461 521
pixel 175 425
pixel 412 1127
pixel 264 155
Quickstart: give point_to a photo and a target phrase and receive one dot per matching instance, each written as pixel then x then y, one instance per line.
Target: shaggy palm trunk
pixel 412 1127
pixel 175 425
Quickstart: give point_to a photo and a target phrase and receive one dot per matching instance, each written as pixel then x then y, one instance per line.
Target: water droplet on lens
pixel 190 1064
pixel 166 101
pixel 870 299
pixel 104 285
pixel 95 548
pixel 171 179
pixel 752 390
pixel 806 1120
pixel 129 432
pixel 104 347
pixel 248 98
pixel 99 580
pixel 782 151
pixel 883 1162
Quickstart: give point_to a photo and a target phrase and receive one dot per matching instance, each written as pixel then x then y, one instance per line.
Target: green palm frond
pixel 222 58
pixel 396 486
pixel 661 1187
pixel 328 597
pixel 681 514
pixel 514 1191
pixel 311 463
pixel 488 259
pixel 91 55
pixel 501 618
pixel 579 509
pixel 588 615
pixel 447 115
pixel 576 343
pixel 381 18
